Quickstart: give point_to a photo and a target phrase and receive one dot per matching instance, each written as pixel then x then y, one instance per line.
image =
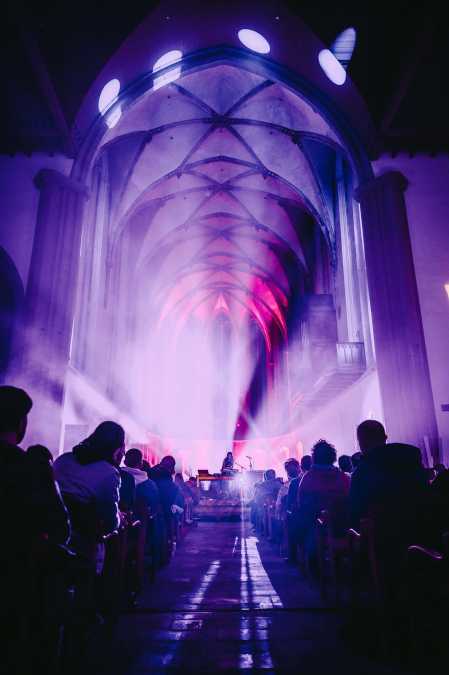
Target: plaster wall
pixel 338 421
pixel 19 203
pixel 427 203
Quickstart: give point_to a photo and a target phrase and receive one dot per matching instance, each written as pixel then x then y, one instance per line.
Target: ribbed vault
pixel 221 219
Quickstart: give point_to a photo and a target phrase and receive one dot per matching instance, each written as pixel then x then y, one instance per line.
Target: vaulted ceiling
pixel 217 182
pixel 52 51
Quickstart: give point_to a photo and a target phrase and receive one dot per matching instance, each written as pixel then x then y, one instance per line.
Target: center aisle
pixel 227 602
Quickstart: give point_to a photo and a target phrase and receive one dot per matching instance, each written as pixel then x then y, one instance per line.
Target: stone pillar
pixel 398 333
pixel 50 300
pixel 322 332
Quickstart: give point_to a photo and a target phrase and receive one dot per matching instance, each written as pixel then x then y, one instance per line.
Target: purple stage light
pixel 254 41
pixel 332 67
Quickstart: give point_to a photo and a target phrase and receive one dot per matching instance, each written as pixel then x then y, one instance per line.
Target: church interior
pixel 224 336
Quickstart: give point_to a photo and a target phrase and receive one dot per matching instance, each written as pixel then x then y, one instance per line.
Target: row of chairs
pixel 407 597
pixel 75 594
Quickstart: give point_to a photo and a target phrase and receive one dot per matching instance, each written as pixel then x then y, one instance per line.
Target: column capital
pixel 49 177
pixel 394 180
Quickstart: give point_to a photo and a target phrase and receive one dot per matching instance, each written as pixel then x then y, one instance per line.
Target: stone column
pixel 322 331
pixel 398 333
pixel 50 300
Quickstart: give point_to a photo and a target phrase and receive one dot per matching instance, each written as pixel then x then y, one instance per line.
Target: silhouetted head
pixel 355 459
pixel 270 474
pixel 324 453
pixel 291 467
pixel 439 468
pixel 105 443
pixel 179 479
pixel 40 453
pixel 345 464
pixel 371 434
pixel 168 463
pixel 15 404
pixel 134 458
pixel 229 455
pixel 306 463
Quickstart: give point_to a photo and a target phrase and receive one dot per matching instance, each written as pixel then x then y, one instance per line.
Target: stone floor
pixel 227 602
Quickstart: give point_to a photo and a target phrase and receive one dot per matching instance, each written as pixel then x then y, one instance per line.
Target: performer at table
pixel 227 468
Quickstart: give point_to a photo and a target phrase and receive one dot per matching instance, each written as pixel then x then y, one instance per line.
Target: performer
pixel 228 464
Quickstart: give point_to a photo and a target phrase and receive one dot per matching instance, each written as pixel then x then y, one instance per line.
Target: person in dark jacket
pixel 162 475
pixel 390 487
pixel 35 524
pixel 388 475
pixel 27 486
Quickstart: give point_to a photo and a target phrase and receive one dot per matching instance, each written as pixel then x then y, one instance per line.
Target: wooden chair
pixel 427 597
pixel 332 552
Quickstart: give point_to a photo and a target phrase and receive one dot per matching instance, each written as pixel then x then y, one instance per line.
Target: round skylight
pixel 254 41
pixel 332 67
pixel 108 94
pixel 167 59
pixel 106 99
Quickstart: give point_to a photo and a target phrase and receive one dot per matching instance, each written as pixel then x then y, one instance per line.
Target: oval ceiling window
pixel 254 41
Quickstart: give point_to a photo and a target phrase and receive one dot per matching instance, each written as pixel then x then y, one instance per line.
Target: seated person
pixel 292 469
pixel 127 492
pixel 355 460
pixel 345 464
pixel 169 493
pixel 133 464
pixel 306 463
pixel 270 486
pixel 40 453
pixel 385 472
pixel 391 487
pixel 27 485
pixel 323 487
pixel 194 490
pixel 90 473
pixel 34 520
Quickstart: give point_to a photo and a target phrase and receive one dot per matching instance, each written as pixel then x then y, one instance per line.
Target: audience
pixel 40 453
pixel 90 473
pixel 306 463
pixel 27 485
pixel 439 468
pixel 293 471
pixel 345 464
pixel 35 523
pixel 134 465
pixel 127 491
pixel 323 487
pixel 384 482
pixel 355 460
pixel 388 477
pixel 391 488
pixel 169 493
